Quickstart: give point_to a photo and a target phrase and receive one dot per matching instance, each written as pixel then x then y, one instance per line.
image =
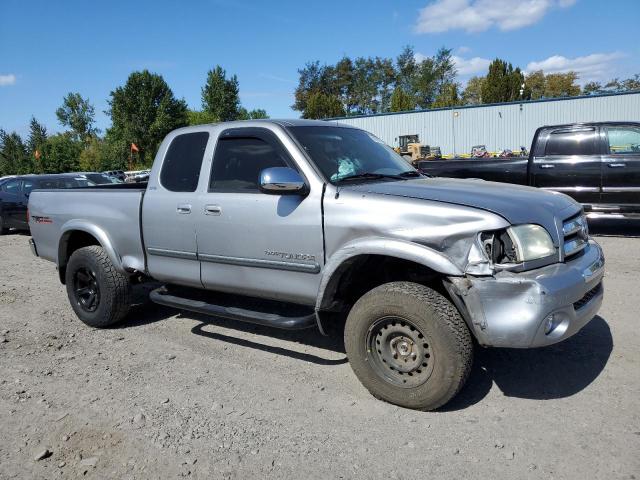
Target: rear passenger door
pixel 254 243
pixel 568 160
pixel 168 212
pixel 621 167
pixel 10 202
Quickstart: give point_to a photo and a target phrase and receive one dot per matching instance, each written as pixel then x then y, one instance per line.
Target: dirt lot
pixel 172 394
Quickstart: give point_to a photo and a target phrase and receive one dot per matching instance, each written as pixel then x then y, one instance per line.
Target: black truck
pixel 598 164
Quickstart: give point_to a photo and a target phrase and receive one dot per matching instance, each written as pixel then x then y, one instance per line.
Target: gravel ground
pixel 172 394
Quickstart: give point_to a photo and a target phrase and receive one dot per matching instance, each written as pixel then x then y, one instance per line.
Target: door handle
pixel 184 209
pixel 212 210
pixel 616 165
pixel 546 165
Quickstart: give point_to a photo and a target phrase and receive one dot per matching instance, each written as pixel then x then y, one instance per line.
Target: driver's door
pixel 256 243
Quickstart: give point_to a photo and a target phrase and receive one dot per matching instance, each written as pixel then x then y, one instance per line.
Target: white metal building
pixel 498 126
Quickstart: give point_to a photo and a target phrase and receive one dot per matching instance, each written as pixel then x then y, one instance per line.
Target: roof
pixel 463 107
pixel 282 122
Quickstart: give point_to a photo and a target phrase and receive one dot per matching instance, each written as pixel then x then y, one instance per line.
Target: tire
pixel 99 294
pixel 408 345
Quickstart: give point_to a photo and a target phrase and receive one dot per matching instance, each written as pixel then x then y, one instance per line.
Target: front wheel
pixel 99 294
pixel 408 345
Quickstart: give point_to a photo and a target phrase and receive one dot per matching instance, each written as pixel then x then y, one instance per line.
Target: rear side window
pixel 572 142
pixel 11 186
pixel 624 140
pixel 238 162
pixel 181 166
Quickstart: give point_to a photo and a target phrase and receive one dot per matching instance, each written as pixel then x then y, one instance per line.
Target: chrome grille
pixel 576 235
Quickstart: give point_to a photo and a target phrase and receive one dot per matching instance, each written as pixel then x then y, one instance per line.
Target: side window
pixel 181 166
pixel 27 186
pixel 572 142
pixel 238 162
pixel 12 186
pixel 624 140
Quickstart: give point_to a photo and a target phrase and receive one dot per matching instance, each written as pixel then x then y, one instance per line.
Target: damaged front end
pixel 521 291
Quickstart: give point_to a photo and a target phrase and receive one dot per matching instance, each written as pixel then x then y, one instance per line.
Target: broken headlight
pixel 531 242
pixel 517 244
pixel 509 248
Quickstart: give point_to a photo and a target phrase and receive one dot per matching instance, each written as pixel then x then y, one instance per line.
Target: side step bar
pixel 163 297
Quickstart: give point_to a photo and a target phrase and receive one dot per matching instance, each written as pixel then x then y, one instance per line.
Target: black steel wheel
pixel 399 352
pixel 86 289
pixel 408 345
pixel 99 294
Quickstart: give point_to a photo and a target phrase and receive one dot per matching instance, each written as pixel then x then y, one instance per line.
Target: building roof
pixel 461 107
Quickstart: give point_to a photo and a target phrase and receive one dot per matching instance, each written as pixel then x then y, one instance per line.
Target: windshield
pixel 101 178
pixel 342 153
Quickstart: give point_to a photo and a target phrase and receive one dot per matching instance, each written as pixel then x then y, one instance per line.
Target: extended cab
pixel 296 224
pixel 598 164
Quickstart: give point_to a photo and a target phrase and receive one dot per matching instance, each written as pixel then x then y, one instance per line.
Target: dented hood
pixel 516 203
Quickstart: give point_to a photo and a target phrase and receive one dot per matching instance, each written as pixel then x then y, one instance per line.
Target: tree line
pixel 369 85
pixel 142 112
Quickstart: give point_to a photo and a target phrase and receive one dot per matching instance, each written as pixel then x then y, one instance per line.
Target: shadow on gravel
pixel 147 312
pixel 614 227
pixel 557 371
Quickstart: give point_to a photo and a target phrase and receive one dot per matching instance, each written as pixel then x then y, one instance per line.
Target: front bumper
pixel 512 309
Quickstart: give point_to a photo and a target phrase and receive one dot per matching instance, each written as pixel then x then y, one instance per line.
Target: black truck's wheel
pixel 99 294
pixel 408 345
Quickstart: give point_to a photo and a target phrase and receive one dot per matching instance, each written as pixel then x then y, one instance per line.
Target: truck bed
pixel 507 170
pixel 106 212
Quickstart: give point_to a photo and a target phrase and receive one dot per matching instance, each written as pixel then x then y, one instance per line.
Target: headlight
pixel 531 242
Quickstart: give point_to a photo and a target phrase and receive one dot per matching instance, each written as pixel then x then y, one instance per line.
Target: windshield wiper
pixel 410 174
pixel 378 176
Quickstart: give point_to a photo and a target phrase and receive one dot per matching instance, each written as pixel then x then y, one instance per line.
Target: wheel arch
pixel 378 253
pixel 76 235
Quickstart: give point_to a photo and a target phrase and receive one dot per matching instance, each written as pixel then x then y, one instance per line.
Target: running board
pixel 162 296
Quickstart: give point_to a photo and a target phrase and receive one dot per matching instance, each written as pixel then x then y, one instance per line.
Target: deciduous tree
pixel 143 111
pixel 77 114
pixel 472 94
pixel 401 101
pixel 221 96
pixel 561 85
pixel 321 105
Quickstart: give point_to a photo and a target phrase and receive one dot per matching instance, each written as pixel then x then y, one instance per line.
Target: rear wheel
pixel 408 345
pixel 99 294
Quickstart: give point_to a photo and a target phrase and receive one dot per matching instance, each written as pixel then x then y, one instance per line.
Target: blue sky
pixel 50 48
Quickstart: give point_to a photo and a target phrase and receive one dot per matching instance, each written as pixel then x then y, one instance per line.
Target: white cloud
pixel 6 80
pixel 480 15
pixel 597 66
pixel 464 66
pixel 471 66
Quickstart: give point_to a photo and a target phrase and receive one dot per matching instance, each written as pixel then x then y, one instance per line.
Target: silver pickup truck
pixel 299 224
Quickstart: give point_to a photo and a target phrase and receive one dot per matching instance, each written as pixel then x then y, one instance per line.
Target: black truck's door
pixel 568 160
pixel 10 202
pixel 621 167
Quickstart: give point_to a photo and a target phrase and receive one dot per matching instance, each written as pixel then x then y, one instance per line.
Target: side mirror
pixel 282 180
